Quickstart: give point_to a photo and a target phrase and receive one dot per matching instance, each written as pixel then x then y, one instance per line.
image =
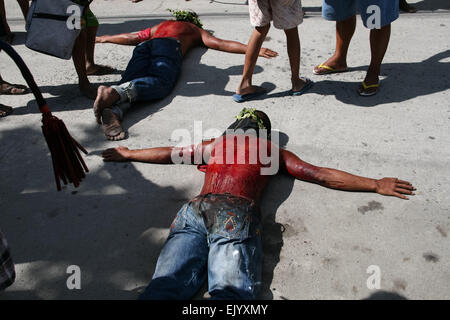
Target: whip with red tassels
pixel 68 165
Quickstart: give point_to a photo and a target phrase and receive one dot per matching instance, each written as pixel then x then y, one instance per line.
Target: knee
pixel 263 30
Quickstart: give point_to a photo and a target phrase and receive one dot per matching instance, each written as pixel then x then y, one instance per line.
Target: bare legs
pixel 83 59
pixel 379 40
pixel 79 60
pixel 253 48
pixel 294 49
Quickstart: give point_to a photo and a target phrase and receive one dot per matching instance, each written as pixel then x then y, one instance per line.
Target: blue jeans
pixel 226 248
pixel 151 73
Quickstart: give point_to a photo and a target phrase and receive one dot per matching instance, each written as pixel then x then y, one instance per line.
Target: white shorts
pixel 285 14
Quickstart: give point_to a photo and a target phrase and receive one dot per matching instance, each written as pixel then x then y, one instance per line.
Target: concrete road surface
pixel 319 243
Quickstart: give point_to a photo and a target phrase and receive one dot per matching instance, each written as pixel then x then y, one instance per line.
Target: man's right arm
pixel 193 154
pixel 340 180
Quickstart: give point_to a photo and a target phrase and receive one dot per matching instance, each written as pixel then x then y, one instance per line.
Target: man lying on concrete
pixel 155 67
pixel 217 235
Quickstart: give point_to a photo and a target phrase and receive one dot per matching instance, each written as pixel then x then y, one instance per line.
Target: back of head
pixel 251 120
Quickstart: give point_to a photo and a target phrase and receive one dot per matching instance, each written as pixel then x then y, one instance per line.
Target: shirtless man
pixel 217 235
pixel 154 68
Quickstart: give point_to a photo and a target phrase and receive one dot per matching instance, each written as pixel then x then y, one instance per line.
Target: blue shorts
pixel 339 10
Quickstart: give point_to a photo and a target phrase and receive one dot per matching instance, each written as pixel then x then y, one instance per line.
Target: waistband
pixel 212 204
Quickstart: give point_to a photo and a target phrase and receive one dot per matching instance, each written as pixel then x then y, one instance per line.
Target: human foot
pixel 12 89
pixel 111 126
pixel 248 93
pixel 106 97
pixel 300 86
pixel 88 90
pixel 332 65
pixel 5 110
pixel 369 86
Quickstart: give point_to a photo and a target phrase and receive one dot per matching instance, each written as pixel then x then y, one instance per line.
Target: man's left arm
pixel 231 46
pixel 336 179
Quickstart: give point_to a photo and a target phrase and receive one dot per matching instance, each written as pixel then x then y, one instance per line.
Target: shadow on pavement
pixel 404 81
pixel 112 227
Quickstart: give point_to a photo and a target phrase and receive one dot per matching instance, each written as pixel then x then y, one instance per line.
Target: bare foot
pixel 332 65
pixel 89 90
pixel 111 126
pixel 106 97
pixel 5 110
pixel 99 70
pixel 250 89
pixel 297 84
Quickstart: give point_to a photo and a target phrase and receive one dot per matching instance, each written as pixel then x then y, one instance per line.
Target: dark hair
pixel 252 119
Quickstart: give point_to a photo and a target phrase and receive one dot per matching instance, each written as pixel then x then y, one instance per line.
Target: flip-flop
pixel 365 87
pixel 246 97
pixel 5 110
pixel 329 70
pixel 308 84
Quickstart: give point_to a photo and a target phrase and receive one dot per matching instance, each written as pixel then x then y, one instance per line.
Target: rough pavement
pixel 319 243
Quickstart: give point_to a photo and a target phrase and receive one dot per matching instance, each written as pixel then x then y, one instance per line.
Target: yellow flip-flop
pixel 365 87
pixel 328 68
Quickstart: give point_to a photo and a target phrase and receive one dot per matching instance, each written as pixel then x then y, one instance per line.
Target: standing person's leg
pixel 8 35
pixel 379 39
pixel 288 17
pixel 91 33
pixel 79 60
pixel 181 267
pixel 344 13
pixel 260 17
pixel 24 6
pixel 251 56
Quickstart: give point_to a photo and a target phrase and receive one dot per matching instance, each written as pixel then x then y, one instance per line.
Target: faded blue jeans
pixel 151 73
pixel 221 243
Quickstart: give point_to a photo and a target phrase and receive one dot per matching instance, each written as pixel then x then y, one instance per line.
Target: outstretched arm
pixel 231 46
pixel 193 154
pixel 341 180
pixel 129 39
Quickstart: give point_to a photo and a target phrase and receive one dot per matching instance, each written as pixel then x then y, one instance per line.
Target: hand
pixel 394 187
pixel 267 53
pixel 119 154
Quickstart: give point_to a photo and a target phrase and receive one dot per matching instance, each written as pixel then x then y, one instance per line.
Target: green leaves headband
pixel 251 113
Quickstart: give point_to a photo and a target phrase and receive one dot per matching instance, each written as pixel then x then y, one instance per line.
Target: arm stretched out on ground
pixel 231 46
pixel 161 155
pixel 341 180
pixel 129 39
